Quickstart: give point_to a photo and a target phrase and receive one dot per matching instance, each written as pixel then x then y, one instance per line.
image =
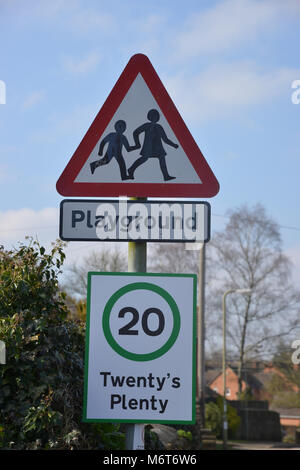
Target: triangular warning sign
pixel 138 145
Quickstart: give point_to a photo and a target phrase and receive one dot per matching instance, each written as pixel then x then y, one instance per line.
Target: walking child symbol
pixel 154 135
pixel 152 145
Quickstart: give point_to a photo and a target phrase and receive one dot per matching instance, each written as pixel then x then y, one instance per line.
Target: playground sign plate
pixel 127 220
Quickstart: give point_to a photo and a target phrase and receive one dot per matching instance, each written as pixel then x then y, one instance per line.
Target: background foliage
pixel 214 418
pixel 41 384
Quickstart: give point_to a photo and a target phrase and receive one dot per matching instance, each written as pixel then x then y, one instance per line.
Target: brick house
pixel 289 417
pixel 214 379
pixel 256 377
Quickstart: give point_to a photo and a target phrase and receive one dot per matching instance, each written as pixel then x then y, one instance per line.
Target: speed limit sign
pixel 140 360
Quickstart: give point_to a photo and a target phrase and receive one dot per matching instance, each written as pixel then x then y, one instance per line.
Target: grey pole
pixel 201 337
pixel 225 425
pixel 137 263
pixel 225 422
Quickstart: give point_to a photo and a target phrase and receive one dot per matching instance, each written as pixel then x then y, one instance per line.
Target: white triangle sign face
pixel 133 110
pixel 138 145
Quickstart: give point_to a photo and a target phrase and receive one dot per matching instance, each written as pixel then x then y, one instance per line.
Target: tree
pixel 105 260
pixel 214 418
pixel 284 383
pixel 172 258
pixel 248 254
pixel 41 384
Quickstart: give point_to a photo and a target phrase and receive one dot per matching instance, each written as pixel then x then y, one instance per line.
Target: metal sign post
pixel 137 263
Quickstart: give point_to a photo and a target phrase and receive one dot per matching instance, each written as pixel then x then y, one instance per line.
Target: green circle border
pixel 107 311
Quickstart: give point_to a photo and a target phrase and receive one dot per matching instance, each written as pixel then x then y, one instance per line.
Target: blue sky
pixel 228 65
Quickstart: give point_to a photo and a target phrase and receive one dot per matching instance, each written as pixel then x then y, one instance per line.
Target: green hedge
pixel 41 384
pixel 214 418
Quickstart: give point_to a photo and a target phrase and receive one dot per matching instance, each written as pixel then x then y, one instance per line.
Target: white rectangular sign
pixel 113 220
pixel 140 360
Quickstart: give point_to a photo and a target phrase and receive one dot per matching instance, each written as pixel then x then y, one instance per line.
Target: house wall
pixel 290 421
pixel 257 422
pixel 231 384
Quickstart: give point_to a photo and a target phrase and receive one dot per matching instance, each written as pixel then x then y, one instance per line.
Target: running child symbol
pixel 116 141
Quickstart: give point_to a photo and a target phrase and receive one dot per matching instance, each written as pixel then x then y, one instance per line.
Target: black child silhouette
pixel 154 135
pixel 116 141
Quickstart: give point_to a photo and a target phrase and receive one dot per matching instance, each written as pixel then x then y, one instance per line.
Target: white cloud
pixel 3 174
pixel 74 122
pixel 84 20
pixel 230 23
pixel 50 10
pixel 222 89
pixel 8 172
pixel 151 24
pixel 43 225
pixel 149 34
pixel 15 225
pixel 83 65
pixel 73 15
pixel 33 98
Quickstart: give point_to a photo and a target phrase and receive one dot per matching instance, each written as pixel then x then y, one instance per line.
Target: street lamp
pixel 225 424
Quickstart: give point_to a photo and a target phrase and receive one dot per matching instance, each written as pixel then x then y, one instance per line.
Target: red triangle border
pixel 139 63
